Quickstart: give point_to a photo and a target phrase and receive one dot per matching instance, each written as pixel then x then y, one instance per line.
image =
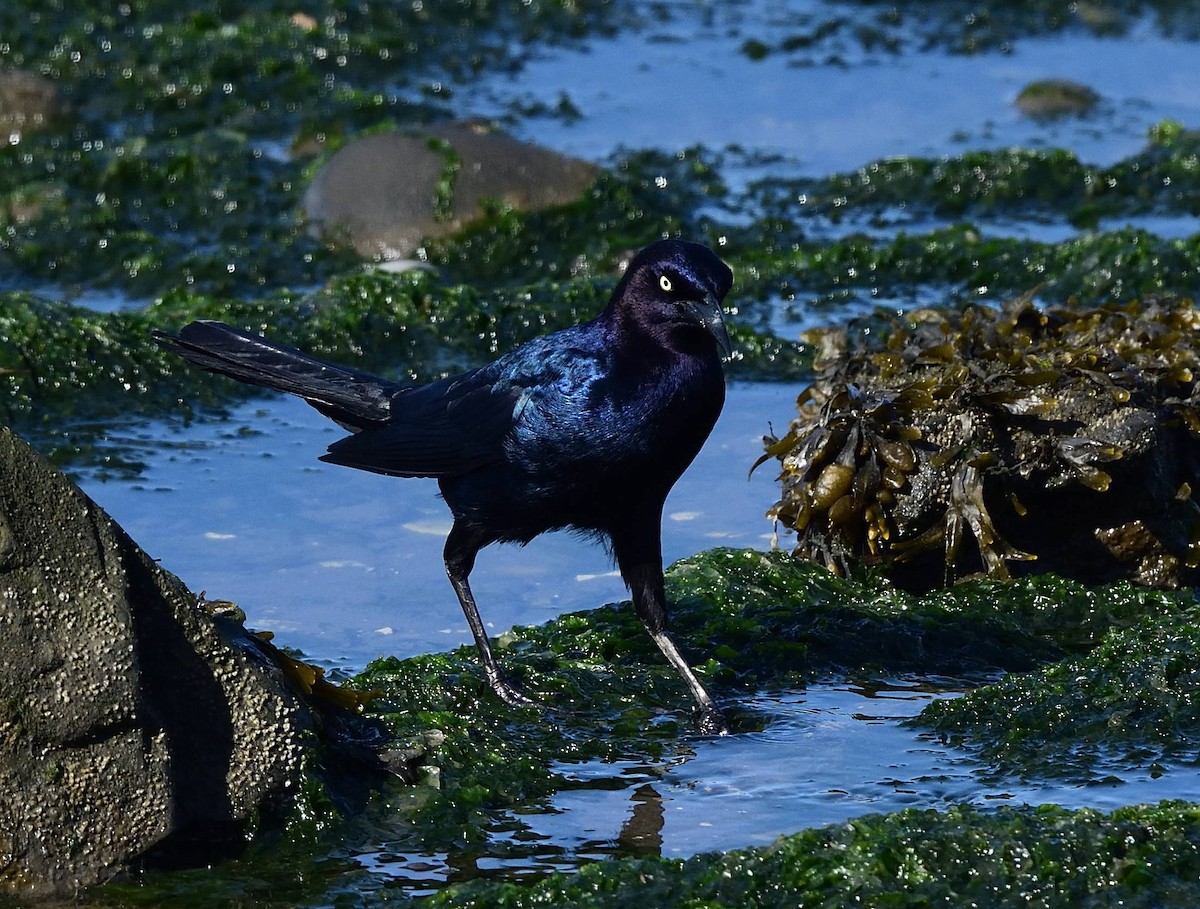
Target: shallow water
pixel 686 82
pixel 830 753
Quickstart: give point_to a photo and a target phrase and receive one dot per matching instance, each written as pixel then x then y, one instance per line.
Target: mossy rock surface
pixel 1131 705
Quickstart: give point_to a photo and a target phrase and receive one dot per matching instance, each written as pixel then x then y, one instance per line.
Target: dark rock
pixel 131 727
pixel 28 103
pixel 384 194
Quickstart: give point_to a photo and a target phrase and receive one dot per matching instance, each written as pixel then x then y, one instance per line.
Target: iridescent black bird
pixel 585 429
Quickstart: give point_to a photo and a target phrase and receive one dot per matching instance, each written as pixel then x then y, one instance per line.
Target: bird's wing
pixel 537 392
pixel 442 429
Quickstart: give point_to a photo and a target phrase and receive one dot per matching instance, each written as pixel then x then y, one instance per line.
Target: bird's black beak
pixel 707 312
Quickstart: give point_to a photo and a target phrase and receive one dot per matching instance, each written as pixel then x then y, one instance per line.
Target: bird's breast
pixel 588 454
pixel 655 424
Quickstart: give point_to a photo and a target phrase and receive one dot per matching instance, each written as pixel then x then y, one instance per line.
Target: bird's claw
pixel 511 695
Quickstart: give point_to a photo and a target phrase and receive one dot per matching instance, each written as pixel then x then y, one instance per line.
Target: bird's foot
pixel 510 694
pixel 710 720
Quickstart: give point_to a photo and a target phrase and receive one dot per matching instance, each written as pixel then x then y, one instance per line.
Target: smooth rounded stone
pixel 384 194
pixel 132 725
pixel 1050 99
pixel 28 103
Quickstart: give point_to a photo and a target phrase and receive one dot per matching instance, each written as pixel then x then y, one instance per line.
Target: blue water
pixel 685 82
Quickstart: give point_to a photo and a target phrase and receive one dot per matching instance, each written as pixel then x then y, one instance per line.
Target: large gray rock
pixel 129 725
pixel 386 193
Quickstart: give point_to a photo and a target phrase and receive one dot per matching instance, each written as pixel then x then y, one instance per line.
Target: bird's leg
pixel 461 548
pixel 709 718
pixel 645 580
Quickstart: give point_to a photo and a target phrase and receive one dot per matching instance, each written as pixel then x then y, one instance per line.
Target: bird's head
pixel 677 287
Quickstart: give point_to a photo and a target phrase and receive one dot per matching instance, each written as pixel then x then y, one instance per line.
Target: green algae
pixel 1162 179
pixel 965 262
pixel 1141 856
pixel 788 252
pixel 1131 704
pixel 269 67
pixel 207 211
pixel 1147 856
pixel 762 620
pixel 957 26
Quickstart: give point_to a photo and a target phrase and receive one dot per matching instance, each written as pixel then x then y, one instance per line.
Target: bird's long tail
pixel 353 398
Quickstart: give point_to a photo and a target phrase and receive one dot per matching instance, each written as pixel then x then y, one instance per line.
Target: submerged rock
pixel 386 193
pixel 1050 99
pixel 943 443
pixel 133 727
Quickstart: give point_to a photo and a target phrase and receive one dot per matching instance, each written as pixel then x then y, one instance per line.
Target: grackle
pixel 585 429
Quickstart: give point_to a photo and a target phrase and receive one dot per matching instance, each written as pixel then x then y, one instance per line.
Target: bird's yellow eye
pixel 665 283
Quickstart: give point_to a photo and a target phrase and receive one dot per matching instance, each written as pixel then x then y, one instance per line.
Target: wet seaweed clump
pixel 944 443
